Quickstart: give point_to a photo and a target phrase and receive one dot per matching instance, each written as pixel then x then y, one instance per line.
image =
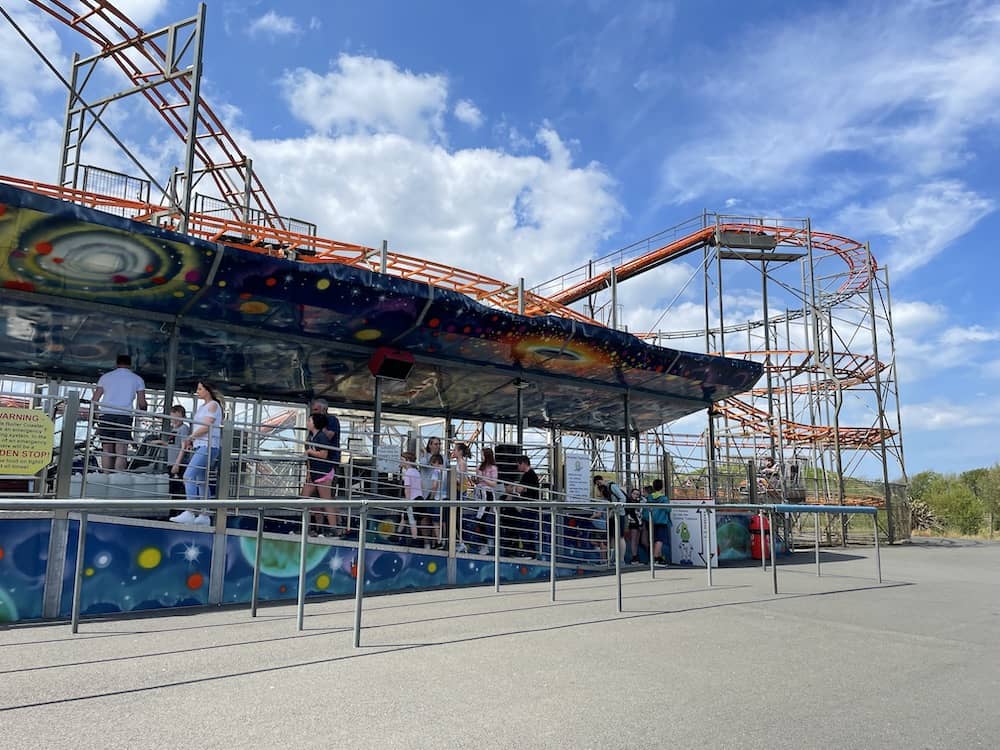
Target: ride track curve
pixel 121 40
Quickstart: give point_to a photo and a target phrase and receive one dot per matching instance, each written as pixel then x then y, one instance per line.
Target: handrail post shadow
pixel 78 574
pixel 359 585
pixel 301 606
pixel 254 594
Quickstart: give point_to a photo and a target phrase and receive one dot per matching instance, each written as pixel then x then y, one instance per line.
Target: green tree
pixel 990 489
pixel 957 506
pixel 925 485
pixel 975 480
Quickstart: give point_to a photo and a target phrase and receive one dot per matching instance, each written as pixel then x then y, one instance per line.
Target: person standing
pixel 332 433
pixel 633 526
pixel 431 473
pixel 320 472
pixel 485 488
pixel 460 453
pixel 527 488
pixel 173 441
pixel 115 393
pixel 204 443
pixel 612 493
pixel 322 406
pixel 411 491
pixel 660 518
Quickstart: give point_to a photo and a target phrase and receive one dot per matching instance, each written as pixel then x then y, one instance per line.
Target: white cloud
pixel 920 222
pixel 31 150
pixel 925 352
pixel 272 25
pixel 368 95
pixel 468 113
pixel 914 316
pixel 143 12
pixel 909 83
pixel 24 78
pixel 911 88
pixel 945 415
pixel 957 336
pixel 502 215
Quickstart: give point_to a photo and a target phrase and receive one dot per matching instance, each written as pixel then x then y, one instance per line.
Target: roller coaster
pixel 808 371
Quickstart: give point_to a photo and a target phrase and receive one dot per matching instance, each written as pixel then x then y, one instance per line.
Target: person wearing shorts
pixel 660 518
pixel 115 393
pixel 321 472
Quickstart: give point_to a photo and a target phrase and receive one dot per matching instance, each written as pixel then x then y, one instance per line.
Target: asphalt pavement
pixel 836 661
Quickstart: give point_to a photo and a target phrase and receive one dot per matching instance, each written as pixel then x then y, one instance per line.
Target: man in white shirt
pixel 115 393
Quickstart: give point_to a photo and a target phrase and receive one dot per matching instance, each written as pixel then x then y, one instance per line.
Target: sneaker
pixel 184 516
pixel 485 550
pixel 460 547
pixel 202 519
pixel 661 561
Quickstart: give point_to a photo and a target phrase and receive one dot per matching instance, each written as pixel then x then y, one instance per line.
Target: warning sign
pixel 25 441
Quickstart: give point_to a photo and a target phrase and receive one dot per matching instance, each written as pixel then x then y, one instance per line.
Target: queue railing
pixel 87 506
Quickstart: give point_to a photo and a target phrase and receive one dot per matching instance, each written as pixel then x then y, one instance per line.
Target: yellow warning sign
pixel 25 441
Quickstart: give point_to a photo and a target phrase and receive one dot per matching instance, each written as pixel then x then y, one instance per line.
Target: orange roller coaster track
pixel 217 154
pixel 282 242
pixel 852 252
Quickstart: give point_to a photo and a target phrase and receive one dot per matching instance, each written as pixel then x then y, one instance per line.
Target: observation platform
pixel 834 661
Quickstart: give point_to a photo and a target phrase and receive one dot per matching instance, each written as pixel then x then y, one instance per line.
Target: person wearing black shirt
pixel 321 472
pixel 527 489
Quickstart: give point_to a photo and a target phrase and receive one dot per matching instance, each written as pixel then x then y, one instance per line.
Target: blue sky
pixel 521 138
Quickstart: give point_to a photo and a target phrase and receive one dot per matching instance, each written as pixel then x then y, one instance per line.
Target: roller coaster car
pixel 746 240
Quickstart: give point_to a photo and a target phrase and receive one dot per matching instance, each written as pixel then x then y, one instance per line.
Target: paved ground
pixel 836 661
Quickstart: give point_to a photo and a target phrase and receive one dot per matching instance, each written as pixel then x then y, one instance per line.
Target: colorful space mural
pixel 131 567
pixel 24 549
pixel 288 329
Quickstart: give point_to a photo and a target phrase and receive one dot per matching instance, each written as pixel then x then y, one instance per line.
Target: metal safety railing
pixel 548 513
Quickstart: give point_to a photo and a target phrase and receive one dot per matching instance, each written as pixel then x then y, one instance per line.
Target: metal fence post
pixel 707 545
pixel 78 574
pixel 256 563
pixel 552 550
pixel 618 557
pixel 359 585
pixel 350 492
pixel 496 548
pixel 652 561
pixel 300 609
pixel 878 555
pixel 765 533
pixel 774 560
pixel 816 542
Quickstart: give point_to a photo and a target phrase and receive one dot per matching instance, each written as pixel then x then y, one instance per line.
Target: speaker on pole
pixel 390 363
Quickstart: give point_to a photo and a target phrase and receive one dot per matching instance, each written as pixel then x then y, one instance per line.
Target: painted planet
pixel 280 559
pixel 8 610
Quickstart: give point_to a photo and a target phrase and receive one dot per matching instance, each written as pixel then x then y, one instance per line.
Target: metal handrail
pixel 87 506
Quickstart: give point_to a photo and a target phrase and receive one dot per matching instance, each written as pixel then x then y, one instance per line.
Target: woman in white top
pixel 205 435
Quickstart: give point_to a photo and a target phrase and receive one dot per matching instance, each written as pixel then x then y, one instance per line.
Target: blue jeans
pixel 196 474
